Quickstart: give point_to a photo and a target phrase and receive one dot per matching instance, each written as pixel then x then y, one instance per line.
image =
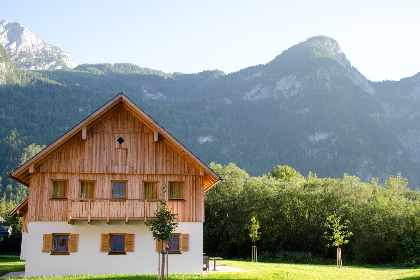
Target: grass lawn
pixel 256 271
pixel 10 264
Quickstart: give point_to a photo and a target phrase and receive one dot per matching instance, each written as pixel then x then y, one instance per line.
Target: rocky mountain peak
pixel 7 68
pixel 28 52
pixel 351 72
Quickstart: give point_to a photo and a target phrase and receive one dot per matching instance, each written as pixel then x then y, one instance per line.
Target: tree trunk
pixel 163 260
pixel 339 260
pixel 167 266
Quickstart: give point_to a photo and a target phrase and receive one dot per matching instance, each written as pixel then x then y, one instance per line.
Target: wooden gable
pixel 118 143
pixel 92 147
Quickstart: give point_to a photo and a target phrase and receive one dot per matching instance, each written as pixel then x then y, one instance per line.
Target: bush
pixel 408 252
pixel 10 244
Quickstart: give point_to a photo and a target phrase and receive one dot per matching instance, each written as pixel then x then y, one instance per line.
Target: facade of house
pixel 93 189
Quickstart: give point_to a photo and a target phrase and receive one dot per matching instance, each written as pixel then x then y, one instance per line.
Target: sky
pixel 380 38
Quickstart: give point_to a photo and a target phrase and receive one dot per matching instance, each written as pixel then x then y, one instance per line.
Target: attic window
pixel 120 140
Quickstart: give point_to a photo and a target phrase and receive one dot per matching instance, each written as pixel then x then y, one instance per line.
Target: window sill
pixel 60 253
pixel 174 252
pixel 177 199
pixel 58 198
pixel 117 253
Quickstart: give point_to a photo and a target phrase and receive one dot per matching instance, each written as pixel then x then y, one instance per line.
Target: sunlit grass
pixel 302 271
pixel 10 264
pixel 256 271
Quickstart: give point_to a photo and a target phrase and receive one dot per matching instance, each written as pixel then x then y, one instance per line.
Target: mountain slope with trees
pixel 307 108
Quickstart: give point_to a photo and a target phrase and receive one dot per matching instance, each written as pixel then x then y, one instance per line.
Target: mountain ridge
pixel 28 51
pixel 308 108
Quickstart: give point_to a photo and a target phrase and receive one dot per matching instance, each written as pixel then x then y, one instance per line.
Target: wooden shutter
pixel 184 242
pixel 129 242
pixel 158 246
pixel 104 242
pixel 73 241
pixel 47 243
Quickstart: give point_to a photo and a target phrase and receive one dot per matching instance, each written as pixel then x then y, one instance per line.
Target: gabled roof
pixel 22 174
pixel 21 208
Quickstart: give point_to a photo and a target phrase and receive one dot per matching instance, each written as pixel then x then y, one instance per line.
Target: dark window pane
pixel 117 243
pixel 118 189
pixel 61 243
pixel 174 243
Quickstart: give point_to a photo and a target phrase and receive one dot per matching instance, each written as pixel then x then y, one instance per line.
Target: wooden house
pixel 93 189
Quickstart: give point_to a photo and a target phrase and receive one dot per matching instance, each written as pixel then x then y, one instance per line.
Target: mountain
pixel 28 52
pixel 401 103
pixel 308 108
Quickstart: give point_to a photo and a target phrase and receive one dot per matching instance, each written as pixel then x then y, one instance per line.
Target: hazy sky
pixel 380 38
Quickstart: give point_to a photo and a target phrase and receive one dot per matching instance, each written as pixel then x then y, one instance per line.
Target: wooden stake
pixel 254 254
pixel 163 259
pixel 167 265
pixel 158 276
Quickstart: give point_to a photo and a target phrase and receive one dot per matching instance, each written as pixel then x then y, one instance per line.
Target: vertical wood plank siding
pixel 102 159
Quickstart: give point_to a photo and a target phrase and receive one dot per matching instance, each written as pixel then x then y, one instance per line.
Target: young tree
pixel 255 235
pixel 337 235
pixel 162 227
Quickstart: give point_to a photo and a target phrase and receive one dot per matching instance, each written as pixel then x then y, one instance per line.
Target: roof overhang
pixel 20 209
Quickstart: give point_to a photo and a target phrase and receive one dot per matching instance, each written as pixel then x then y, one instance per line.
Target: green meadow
pixel 255 271
pixel 10 264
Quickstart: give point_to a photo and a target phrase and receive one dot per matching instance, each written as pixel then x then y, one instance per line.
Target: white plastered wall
pixel 23 246
pixel 89 259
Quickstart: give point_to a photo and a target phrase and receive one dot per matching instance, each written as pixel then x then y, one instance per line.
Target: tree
pixel 223 212
pixel 162 227
pixel 10 244
pixel 338 235
pixel 30 151
pixel 255 235
pixel 285 173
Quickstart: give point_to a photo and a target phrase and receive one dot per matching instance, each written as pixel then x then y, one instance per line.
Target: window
pixel 150 190
pixel 176 190
pixel 59 189
pixel 119 189
pixel 60 243
pixel 87 189
pixel 179 243
pixel 117 243
pixel 173 245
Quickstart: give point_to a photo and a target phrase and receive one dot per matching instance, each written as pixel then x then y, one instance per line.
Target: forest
pixel 292 212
